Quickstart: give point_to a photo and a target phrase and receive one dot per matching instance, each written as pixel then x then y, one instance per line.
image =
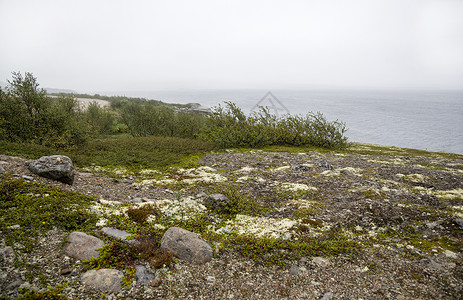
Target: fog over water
pixel 216 49
pixel 213 44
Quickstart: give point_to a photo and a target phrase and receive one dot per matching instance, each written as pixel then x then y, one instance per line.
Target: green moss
pixel 239 203
pixel 272 250
pixel 140 215
pixel 114 254
pixel 38 208
pixel 52 293
pixel 439 243
pixel 372 149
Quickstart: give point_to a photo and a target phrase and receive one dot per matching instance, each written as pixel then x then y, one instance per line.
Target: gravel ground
pixel 360 194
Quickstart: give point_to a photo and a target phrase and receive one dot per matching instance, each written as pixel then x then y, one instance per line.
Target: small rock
pixel 218 202
pixel 327 296
pixel 65 272
pixel 2 170
pixel 136 200
pixel 451 254
pixel 320 261
pixel 201 195
pixel 324 164
pixel 104 279
pixel 115 233
pixel 82 246
pixel 14 227
pixel 7 251
pixel 28 178
pixel 302 168
pixel 14 285
pixel 362 270
pixel 294 270
pixel 458 221
pixel 345 171
pixel 156 282
pixel 186 245
pixel 143 276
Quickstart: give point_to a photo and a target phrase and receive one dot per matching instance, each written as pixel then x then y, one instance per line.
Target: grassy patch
pixel 53 293
pixel 273 250
pixel 38 208
pixel 372 149
pixel 132 153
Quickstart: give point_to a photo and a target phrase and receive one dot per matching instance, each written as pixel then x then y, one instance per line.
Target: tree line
pixel 29 115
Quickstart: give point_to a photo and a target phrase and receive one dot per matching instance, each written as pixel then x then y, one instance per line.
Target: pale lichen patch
pixel 339 171
pixel 183 208
pixel 455 194
pixel 203 174
pixel 261 227
pixel 413 177
pixel 297 187
pixel 245 170
pixel 280 169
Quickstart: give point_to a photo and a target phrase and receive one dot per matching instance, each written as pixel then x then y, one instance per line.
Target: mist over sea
pixel 428 120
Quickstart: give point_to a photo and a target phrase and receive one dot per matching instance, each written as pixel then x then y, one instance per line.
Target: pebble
pixel 136 200
pixel 7 251
pixel 26 177
pixel 458 222
pixel 327 296
pixel 320 261
pixel 451 254
pixel 294 270
pixel 65 271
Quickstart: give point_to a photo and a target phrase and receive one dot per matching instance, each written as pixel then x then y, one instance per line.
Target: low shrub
pixel 230 127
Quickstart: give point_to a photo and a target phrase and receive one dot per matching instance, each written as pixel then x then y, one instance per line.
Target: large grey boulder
pixel 108 280
pixel 186 245
pixel 82 246
pixel 56 167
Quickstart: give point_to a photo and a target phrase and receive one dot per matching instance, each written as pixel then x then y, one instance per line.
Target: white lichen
pixel 297 187
pixel 203 174
pixel 260 227
pixel 183 208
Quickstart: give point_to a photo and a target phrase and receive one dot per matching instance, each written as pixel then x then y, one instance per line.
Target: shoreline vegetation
pixel 306 214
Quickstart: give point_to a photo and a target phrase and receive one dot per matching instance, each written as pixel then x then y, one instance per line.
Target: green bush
pixel 101 120
pixel 144 119
pixel 230 127
pixel 27 114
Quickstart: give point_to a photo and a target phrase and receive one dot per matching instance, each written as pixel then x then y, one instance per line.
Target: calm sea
pixel 428 120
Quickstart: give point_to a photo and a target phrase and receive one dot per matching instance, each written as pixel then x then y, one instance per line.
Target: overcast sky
pixel 149 45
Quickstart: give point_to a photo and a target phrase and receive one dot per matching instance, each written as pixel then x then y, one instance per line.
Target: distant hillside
pixel 59 91
pixel 4 84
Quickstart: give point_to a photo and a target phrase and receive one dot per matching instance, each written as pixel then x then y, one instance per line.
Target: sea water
pixel 428 120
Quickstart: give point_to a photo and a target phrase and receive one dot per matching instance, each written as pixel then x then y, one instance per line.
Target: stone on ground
pixel 320 261
pixel 56 167
pixel 115 233
pixel 108 280
pixel 186 245
pixel 143 276
pixel 7 251
pixel 82 246
pixel 218 202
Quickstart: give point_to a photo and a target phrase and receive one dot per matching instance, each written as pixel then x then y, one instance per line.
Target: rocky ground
pixel 404 215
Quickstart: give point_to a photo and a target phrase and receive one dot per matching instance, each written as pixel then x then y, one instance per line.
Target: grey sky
pixel 149 45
